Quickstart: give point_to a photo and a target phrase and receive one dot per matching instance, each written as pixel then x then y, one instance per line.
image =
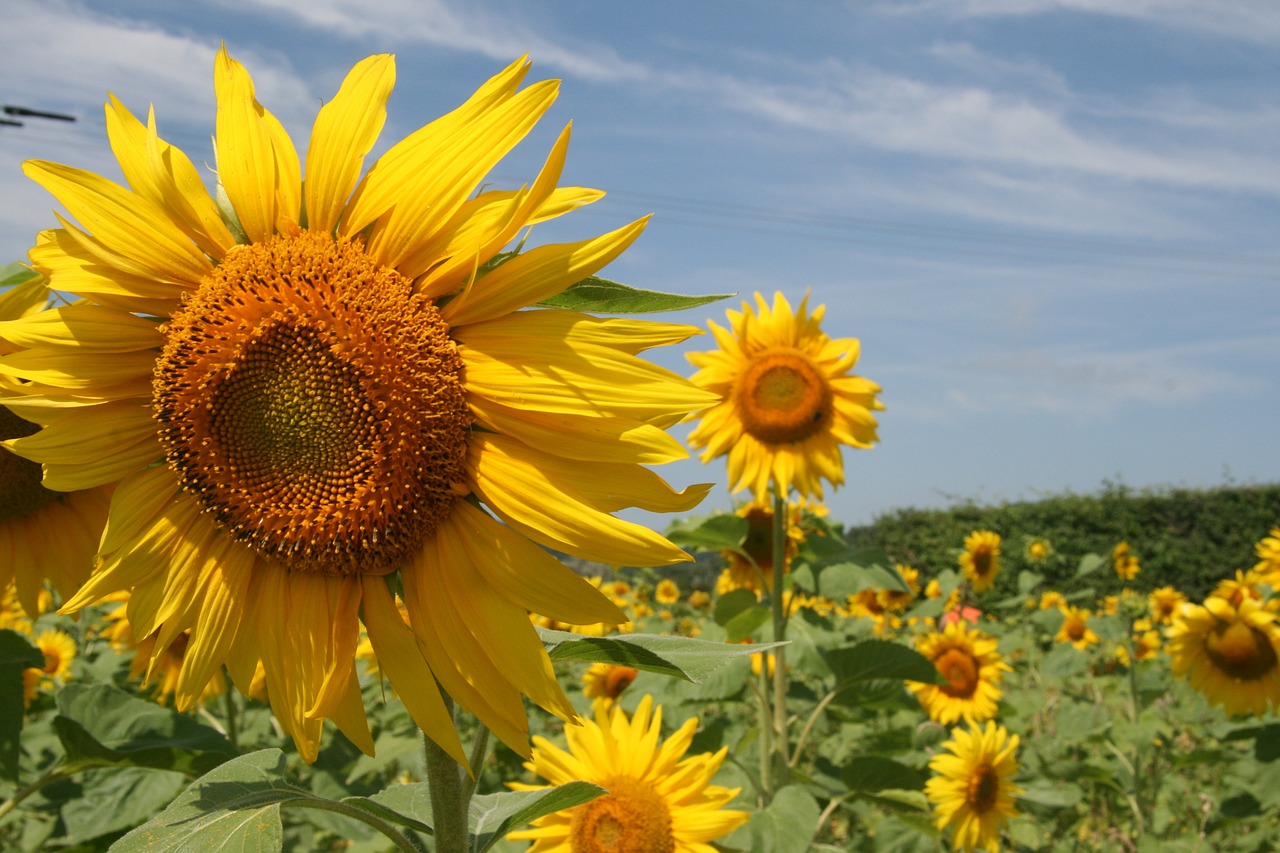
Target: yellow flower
pixel 44 534
pixel 699 599
pixel 1125 562
pixel 1268 551
pixel 1038 550
pixel 668 592
pixel 1237 589
pixel 753 569
pixel 972 790
pixel 789 399
pixel 59 650
pixel 1051 599
pixel 607 681
pixel 658 799
pixel 967 658
pixel 342 385
pixel 1075 627
pixel 1164 603
pixel 1229 653
pixel 980 560
pixel 1146 643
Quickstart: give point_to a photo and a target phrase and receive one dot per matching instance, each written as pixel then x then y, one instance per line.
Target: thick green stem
pixel 449 800
pixel 229 702
pixel 479 750
pixel 759 686
pixel 781 519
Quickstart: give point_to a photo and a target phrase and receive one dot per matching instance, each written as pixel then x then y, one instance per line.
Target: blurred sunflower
pixel 311 385
pixel 980 560
pixel 668 591
pixel 1037 550
pixel 1164 603
pixel 1268 551
pixel 59 650
pixel 972 791
pixel 789 400
pixel 658 799
pixel 1075 627
pixel 1125 562
pixel 972 668
pixel 752 567
pixel 44 534
pixel 1146 643
pixel 1243 585
pixel 604 681
pixel 1229 653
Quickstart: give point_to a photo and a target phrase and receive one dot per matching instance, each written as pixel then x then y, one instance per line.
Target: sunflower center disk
pixel 783 398
pixel 1241 652
pixel 984 789
pixel 314 405
pixel 961 672
pixel 631 818
pixel 20 491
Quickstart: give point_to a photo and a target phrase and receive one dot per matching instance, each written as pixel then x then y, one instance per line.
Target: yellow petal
pixel 86 434
pixel 401 659
pixel 126 223
pixel 525 573
pixel 582 437
pixel 223 601
pixel 73 370
pixel 83 326
pixel 344 132
pixel 257 165
pixel 525 498
pixel 60 255
pixel 163 174
pixel 538 274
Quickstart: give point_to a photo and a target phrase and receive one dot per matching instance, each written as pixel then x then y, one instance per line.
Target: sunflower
pixel 1243 585
pixel 789 399
pixel 604 681
pixel 1038 549
pixel 972 791
pixel 1268 551
pixel 668 591
pixel 44 534
pixel 1075 627
pixel 1146 643
pixel 308 386
pixel 1125 562
pixel 1164 603
pixel 59 650
pixel 980 559
pixel 658 800
pixel 967 658
pixel 751 566
pixel 1230 653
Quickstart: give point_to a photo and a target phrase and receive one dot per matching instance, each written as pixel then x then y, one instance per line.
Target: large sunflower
pixel 658 799
pixel 789 399
pixel 972 791
pixel 1229 653
pixel 43 534
pixel 309 385
pixel 973 668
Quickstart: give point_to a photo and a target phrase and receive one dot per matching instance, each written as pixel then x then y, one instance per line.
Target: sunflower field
pixel 311 538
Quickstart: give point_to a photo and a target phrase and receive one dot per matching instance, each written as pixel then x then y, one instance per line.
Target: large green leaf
pixel 599 295
pixel 740 614
pixel 880 659
pixel 492 816
pixel 679 657
pixel 235 808
pixel 841 580
pixel 877 773
pixel 787 825
pixel 714 533
pixel 101 724
pixel 112 799
pixel 16 654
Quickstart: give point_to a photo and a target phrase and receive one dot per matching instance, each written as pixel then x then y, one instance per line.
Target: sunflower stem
pixel 759 686
pixel 449 799
pixel 229 703
pixel 781 751
pixel 479 751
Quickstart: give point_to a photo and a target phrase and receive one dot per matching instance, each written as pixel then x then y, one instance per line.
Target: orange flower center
pixel 20 491
pixel 1241 651
pixel 52 660
pixel 960 669
pixel 983 560
pixel 984 789
pixel 618 679
pixel 1075 627
pixel 631 818
pixel 782 398
pixel 314 405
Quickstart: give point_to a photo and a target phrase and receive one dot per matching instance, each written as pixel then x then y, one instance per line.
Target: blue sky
pixel 1052 223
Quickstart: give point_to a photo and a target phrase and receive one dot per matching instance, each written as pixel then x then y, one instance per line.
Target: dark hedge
pixel 1190 539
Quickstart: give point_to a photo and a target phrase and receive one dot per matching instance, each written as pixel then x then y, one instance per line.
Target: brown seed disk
pixel 20 491
pixel 314 404
pixel 783 398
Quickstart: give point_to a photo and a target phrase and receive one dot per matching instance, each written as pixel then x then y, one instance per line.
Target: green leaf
pixel 599 295
pixel 411 802
pixel 101 724
pixel 1028 580
pixel 16 654
pixel 1090 563
pixel 787 825
pixel 234 808
pixel 740 614
pixel 680 657
pixel 880 659
pixel 112 799
pixel 492 816
pixel 16 273
pixel 714 533
pixel 877 773
pixel 841 580
pixel 733 603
